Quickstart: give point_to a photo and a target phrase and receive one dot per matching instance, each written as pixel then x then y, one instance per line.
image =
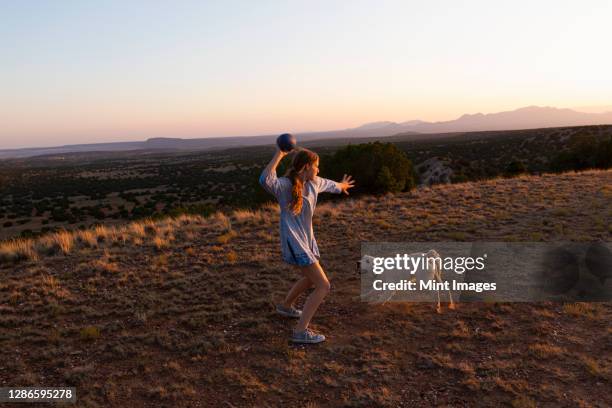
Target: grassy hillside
pixel 79 190
pixel 179 312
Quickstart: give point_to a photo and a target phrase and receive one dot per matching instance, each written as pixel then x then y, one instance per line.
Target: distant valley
pixel 532 117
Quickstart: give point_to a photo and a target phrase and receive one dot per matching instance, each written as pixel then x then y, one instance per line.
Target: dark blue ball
pixel 286 142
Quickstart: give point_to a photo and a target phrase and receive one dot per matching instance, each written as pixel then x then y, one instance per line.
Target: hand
pixel 280 153
pixel 346 183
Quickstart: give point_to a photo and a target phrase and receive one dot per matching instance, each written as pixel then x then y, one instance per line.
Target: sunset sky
pixel 79 72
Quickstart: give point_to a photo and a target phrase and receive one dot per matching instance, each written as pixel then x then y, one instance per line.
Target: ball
pixel 286 142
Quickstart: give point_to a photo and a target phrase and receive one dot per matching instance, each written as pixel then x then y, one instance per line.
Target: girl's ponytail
pixel 296 192
pixel 300 160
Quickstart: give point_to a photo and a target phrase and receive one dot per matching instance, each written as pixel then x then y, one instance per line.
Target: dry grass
pixel 58 242
pixel 17 250
pixel 88 238
pixel 227 237
pixel 196 322
pixel 90 333
pixel 544 351
pixel 581 309
pixel 232 257
pixel 246 216
pixel 328 210
pixel 221 221
pixel 161 243
pixel 101 232
pixel 137 229
pixel 150 227
pixel 523 401
pixel 65 241
pixel 162 234
pixel 272 208
pixel 105 264
pixel 244 379
pixel 50 286
pixel 594 368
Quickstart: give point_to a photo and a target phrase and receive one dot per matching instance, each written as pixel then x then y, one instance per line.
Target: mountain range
pixel 531 117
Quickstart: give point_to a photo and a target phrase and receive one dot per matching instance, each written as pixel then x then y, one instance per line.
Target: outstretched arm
pixel 330 186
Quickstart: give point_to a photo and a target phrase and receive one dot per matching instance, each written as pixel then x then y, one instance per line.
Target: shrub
pixel 27 233
pixel 195 209
pixel 376 167
pixel 585 152
pixel 514 168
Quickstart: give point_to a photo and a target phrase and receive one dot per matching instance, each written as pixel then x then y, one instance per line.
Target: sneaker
pixel 288 311
pixel 307 336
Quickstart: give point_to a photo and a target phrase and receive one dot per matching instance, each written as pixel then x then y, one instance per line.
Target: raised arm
pixel 268 179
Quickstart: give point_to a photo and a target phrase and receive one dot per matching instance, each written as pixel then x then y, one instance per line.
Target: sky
pixel 104 71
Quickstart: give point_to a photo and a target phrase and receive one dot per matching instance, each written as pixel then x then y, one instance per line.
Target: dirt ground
pixel 182 314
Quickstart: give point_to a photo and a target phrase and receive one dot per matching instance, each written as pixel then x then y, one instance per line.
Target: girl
pixel 297 195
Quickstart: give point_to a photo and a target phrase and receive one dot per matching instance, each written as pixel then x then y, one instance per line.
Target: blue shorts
pixel 299 260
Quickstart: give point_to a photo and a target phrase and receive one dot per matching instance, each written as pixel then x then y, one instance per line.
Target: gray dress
pixel 298 244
